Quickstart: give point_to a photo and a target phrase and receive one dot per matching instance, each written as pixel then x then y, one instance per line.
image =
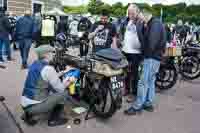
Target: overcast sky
pixel 166 2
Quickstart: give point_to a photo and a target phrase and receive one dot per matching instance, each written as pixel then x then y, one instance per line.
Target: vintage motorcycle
pixel 186 65
pixel 101 80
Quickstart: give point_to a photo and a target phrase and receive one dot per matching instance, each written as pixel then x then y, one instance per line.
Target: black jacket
pixel 155 39
pixel 5 27
pixel 62 26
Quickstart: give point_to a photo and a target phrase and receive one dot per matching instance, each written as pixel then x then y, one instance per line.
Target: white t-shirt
pixel 73 28
pixel 131 42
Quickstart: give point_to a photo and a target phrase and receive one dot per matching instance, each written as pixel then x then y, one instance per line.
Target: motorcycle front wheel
pixel 106 105
pixel 166 77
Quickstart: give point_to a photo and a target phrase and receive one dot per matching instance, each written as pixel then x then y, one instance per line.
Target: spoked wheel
pixel 166 78
pixel 105 106
pixel 190 68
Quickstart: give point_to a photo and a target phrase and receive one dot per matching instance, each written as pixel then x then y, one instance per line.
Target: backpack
pixel 84 24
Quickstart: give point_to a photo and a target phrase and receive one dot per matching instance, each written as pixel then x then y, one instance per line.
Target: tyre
pixel 105 98
pixel 166 78
pixel 190 68
pixel 83 49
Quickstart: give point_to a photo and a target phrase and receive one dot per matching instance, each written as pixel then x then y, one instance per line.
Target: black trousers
pixel 197 36
pixel 133 74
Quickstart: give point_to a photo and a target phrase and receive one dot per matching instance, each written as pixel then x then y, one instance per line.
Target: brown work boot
pixel 130 99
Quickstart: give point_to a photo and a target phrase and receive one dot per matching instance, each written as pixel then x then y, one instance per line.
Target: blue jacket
pixel 34 83
pixel 24 28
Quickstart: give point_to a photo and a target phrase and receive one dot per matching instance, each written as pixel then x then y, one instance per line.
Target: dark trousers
pixel 7 48
pixel 47 105
pixel 24 47
pixel 133 76
pixel 197 36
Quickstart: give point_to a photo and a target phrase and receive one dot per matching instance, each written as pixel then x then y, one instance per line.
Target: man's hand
pixel 92 35
pixel 67 69
pixel 100 27
pixel 68 82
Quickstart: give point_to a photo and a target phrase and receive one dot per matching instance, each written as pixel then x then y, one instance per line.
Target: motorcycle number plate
pixel 117 84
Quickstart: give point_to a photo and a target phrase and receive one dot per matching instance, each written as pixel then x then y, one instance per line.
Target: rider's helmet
pixel 61 38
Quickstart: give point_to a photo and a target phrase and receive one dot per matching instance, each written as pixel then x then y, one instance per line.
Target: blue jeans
pixel 146 84
pixel 24 47
pixel 2 46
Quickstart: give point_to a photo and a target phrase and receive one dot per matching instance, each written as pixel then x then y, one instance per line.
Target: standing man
pixel 63 25
pixel 24 33
pixel 181 31
pixel 103 33
pixel 5 30
pixel 37 29
pixel 153 49
pixel 84 26
pixel 132 38
pixel 12 22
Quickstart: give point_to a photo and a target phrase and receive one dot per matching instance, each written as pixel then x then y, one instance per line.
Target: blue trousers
pixel 24 47
pixel 146 84
pixel 2 49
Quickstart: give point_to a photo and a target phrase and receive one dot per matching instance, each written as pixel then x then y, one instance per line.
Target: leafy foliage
pixel 171 13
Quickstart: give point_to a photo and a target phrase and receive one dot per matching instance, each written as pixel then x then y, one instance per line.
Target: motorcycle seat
pixel 113 57
pixel 110 54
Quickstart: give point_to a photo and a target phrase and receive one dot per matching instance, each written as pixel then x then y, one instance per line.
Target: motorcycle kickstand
pixel 2 67
pixel 91 107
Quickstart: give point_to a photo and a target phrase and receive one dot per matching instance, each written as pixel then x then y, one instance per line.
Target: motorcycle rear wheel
pixel 190 68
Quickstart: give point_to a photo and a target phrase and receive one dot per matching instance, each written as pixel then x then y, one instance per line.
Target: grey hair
pixel 131 7
pixel 146 13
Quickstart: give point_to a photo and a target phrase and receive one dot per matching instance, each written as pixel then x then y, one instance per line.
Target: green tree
pixel 118 10
pixel 92 6
pixel 78 9
pixel 171 13
pixel 103 6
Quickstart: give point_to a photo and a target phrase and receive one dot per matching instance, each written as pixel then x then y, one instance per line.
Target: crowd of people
pixel 183 31
pixel 18 31
pixel 143 42
pixel 142 39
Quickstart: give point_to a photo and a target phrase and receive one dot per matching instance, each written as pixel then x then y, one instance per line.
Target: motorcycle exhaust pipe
pixel 2 99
